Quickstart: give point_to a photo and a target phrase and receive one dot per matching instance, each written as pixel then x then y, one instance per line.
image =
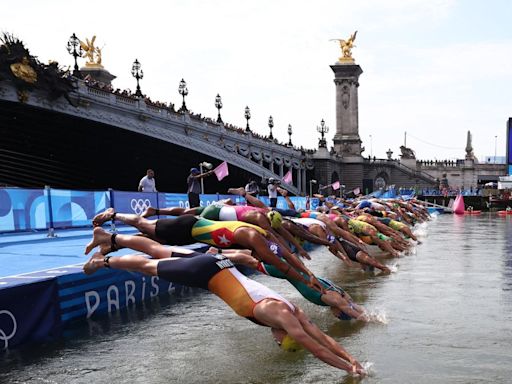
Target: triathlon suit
pixel 287 212
pixel 377 213
pixel 368 240
pixel 218 233
pixel 360 227
pixel 350 248
pixel 384 220
pixel 308 293
pixel 223 212
pixel 176 231
pixel 188 229
pixel 396 225
pixel 308 214
pixel 217 274
pixel 307 222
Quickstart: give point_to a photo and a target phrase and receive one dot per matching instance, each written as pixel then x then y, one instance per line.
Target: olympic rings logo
pixel 6 337
pixel 140 205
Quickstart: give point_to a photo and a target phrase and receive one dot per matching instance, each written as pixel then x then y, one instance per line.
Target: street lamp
pixel 322 129
pixel 271 125
pixel 73 44
pixel 138 74
pixel 183 91
pixel 311 182
pixel 218 105
pixel 371 146
pixel 247 117
pixel 208 166
pixel 290 135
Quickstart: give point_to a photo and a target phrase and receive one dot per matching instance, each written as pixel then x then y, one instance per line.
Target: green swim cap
pixel 275 219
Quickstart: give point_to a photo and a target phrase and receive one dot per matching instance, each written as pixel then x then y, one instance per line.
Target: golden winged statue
pixel 346 48
pixel 91 53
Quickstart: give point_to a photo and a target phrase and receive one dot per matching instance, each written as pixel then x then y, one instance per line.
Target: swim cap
pixel 290 345
pixel 194 170
pixel 275 219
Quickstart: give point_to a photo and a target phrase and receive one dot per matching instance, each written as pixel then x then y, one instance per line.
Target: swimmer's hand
pixel 315 284
pixel 304 254
pixel 357 369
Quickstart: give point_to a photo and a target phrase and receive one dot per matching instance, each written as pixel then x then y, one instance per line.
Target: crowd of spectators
pixel 91 82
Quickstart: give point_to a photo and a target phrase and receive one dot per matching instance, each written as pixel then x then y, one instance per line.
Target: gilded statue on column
pixel 346 48
pixel 91 53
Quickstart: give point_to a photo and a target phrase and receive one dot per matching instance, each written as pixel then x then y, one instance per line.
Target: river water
pixel 447 314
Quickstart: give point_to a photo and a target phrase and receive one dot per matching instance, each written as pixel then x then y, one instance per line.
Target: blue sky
pixel 434 69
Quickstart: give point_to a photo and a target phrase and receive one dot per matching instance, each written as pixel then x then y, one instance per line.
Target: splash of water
pixel 377 316
pixel 368 367
pixel 393 267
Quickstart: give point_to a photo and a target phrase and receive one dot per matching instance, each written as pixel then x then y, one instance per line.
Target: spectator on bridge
pixel 194 186
pixel 147 183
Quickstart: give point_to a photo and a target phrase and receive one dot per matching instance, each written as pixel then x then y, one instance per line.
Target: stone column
pixel 299 179
pixel 281 170
pixel 346 140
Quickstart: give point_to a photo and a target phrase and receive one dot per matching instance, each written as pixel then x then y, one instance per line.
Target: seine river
pixel 447 312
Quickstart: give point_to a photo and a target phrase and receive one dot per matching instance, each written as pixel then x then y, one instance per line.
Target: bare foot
pixel 105 249
pixel 237 191
pixel 150 211
pixel 93 264
pixel 100 218
pixel 99 236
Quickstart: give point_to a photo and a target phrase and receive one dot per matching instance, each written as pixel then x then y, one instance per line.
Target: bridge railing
pixel 50 209
pixel 409 170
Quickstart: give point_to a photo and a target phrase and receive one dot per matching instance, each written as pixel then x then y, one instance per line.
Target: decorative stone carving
pixel 345 96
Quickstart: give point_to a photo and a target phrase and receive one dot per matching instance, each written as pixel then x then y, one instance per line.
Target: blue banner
pixel 109 290
pixel 76 208
pixel 134 202
pixel 28 313
pixel 22 209
pixel 36 209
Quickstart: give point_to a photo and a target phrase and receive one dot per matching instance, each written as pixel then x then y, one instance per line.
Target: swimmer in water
pixel 289 324
pixel 341 304
pixel 189 229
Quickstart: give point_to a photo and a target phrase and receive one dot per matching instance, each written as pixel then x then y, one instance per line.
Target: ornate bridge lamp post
pixel 247 117
pixel 138 74
pixel 218 105
pixel 290 135
pixel 271 125
pixel 183 91
pixel 322 129
pixel 76 51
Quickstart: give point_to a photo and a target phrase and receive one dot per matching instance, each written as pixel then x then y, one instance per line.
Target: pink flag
pixel 335 185
pixel 221 171
pixel 288 178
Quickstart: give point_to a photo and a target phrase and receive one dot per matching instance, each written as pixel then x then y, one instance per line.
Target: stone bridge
pixel 257 155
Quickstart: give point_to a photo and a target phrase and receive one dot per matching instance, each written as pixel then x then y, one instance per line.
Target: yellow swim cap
pixel 275 219
pixel 290 345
